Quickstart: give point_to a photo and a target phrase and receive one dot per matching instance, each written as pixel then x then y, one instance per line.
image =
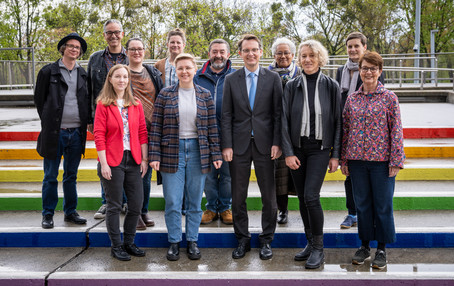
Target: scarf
pixel 287 73
pixel 347 83
pixel 306 124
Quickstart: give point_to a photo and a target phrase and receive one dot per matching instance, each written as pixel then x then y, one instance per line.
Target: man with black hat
pixel 64 107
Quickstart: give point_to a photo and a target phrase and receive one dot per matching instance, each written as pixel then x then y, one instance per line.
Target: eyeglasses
pixel 280 54
pixel 247 51
pixel 139 50
pixel 72 47
pixel 110 33
pixel 371 69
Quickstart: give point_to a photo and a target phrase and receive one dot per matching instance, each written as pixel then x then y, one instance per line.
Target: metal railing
pixel 398 70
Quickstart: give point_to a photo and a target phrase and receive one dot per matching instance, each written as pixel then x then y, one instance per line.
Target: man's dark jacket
pixel 49 97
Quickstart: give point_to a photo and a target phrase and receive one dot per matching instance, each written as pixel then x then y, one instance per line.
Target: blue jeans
pixel 373 192
pixel 218 189
pixel 189 180
pixel 146 190
pixel 70 146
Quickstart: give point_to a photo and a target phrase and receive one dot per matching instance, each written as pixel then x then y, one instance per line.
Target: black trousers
pixel 127 177
pixel 350 202
pixel 240 171
pixel 308 180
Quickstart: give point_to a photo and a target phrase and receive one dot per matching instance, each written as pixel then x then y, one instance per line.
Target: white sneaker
pixel 101 213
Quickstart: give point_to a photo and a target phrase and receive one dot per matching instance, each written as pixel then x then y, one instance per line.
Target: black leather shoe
pixel 193 250
pixel 133 250
pixel 304 254
pixel 173 254
pixel 75 218
pixel 240 251
pixel 265 251
pixel 48 221
pixel 282 218
pixel 120 253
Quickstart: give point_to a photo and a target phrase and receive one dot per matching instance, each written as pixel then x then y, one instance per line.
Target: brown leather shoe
pixel 147 220
pixel 140 224
pixel 208 216
pixel 226 217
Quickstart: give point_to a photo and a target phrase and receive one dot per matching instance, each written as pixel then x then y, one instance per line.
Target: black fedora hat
pixel 74 36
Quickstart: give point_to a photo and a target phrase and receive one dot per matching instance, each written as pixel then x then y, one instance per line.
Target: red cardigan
pixel 108 132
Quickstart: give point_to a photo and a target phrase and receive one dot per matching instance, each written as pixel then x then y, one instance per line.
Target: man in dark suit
pixel 250 127
pixel 349 80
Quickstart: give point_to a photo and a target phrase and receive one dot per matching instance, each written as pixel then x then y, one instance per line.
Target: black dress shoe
pixel 173 254
pixel 120 253
pixel 282 218
pixel 75 218
pixel 240 251
pixel 48 221
pixel 265 251
pixel 193 250
pixel 133 250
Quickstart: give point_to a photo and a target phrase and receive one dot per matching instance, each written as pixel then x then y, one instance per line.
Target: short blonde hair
pixel 185 56
pixel 319 50
pixel 108 96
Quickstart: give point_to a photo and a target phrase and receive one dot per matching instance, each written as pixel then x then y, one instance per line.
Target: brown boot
pixel 147 220
pixel 140 224
pixel 226 217
pixel 208 216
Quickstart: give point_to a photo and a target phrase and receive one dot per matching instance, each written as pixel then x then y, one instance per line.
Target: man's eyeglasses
pixel 139 50
pixel 110 33
pixel 280 54
pixel 254 51
pixel 72 47
pixel 371 69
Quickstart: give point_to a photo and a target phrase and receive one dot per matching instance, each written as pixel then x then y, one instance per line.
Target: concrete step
pixel 414 148
pixel 94 266
pixel 408 195
pixel 415 229
pixel 432 169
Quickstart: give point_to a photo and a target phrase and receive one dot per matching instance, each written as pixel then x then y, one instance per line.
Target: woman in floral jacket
pixel 373 154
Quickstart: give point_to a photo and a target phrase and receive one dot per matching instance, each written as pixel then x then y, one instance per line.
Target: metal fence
pixel 398 69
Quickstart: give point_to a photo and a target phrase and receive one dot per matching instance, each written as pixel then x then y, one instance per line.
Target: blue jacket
pixel 206 78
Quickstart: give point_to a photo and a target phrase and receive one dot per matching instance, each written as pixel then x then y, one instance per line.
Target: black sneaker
pixel 360 255
pixel 379 260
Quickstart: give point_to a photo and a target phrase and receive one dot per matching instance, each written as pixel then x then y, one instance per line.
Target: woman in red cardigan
pixel 121 141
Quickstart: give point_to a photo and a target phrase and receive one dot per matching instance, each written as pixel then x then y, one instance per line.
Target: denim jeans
pixel 218 189
pixel 373 192
pixel 189 180
pixel 70 146
pixel 146 190
pixel 103 196
pixel 126 179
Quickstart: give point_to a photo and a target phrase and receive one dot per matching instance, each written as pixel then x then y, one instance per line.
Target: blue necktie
pixel 252 90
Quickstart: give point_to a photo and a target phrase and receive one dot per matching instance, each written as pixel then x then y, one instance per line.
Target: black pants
pixel 124 176
pixel 308 180
pixel 350 202
pixel 240 171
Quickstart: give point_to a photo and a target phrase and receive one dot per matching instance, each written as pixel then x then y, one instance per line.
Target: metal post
pixel 423 79
pixel 400 73
pixel 432 50
pixel 417 37
pixel 33 68
pixel 10 75
pixel 436 72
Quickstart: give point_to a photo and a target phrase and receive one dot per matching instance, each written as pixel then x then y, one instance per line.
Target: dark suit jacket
pixel 238 120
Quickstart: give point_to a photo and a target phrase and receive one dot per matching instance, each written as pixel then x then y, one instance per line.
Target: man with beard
pixel 218 183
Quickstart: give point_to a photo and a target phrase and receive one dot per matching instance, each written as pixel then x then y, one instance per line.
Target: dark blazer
pixel 238 120
pixel 358 83
pixel 164 135
pixel 49 99
pixel 292 114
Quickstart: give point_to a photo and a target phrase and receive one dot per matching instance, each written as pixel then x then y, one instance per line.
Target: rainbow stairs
pixel 69 255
